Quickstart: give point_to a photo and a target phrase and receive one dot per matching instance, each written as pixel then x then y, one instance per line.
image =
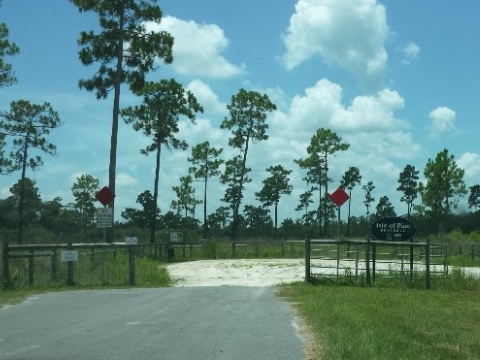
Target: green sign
pixel 393 228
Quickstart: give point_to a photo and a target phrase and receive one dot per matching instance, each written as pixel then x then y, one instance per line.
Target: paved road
pixel 187 323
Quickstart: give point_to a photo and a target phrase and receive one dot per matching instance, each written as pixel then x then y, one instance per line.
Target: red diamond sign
pixel 339 196
pixel 105 195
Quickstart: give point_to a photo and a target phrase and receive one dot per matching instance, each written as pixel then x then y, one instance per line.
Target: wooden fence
pixel 41 264
pixel 368 257
pixel 68 254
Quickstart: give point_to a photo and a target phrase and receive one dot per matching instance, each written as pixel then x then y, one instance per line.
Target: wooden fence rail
pixel 32 251
pixel 369 255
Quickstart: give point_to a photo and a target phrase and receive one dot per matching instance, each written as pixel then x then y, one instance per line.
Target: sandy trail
pixel 261 272
pixel 245 272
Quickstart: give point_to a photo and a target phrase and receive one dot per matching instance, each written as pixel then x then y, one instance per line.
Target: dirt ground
pixel 257 272
pixel 244 272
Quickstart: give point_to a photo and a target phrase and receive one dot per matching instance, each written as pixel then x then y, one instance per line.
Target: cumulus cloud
pixel 348 33
pixel 374 112
pixel 205 96
pixel 368 123
pixel 470 162
pixel 123 179
pixel 410 51
pixel 442 120
pixel 322 106
pixel 197 48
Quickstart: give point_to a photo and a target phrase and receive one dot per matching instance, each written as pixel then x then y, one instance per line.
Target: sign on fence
pixel 131 240
pixel 393 228
pixel 175 237
pixel 69 255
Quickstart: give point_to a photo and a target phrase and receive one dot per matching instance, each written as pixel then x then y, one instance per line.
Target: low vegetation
pixel 385 322
pixel 149 273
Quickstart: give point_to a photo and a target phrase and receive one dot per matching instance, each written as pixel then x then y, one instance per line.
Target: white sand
pixel 246 272
pixel 266 272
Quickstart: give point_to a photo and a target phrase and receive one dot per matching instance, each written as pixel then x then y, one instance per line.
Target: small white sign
pixel 69 255
pixel 104 217
pixel 176 237
pixel 131 240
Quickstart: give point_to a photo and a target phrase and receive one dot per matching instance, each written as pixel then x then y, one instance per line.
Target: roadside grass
pixel 391 322
pixel 148 273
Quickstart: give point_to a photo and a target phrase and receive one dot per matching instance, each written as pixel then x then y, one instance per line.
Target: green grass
pixel 390 323
pixel 148 273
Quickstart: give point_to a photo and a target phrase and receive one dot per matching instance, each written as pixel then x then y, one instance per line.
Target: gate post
pixel 54 264
pixel 31 270
pixel 367 260
pixel 6 273
pixel 70 281
pixel 427 264
pixel 131 262
pixel 307 258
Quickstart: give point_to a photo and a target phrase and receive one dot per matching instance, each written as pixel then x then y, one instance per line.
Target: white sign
pixel 104 217
pixel 131 240
pixel 176 237
pixel 69 255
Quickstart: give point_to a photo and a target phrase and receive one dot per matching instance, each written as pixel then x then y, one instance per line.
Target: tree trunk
pixel 153 220
pixel 205 227
pixel 21 199
pixel 116 112
pixel 349 207
pixel 319 209
pixel 237 203
pixel 276 213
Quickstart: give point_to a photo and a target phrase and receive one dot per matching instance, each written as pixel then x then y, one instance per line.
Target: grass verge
pixel 388 323
pixel 149 273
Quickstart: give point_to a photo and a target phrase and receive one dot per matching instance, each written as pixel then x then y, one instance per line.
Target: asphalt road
pixel 185 323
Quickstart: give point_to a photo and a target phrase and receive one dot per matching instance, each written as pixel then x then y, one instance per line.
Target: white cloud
pixel 206 97
pixel 442 120
pixel 348 33
pixel 321 106
pixel 470 162
pixel 125 180
pixel 374 112
pixel 197 48
pixel 410 51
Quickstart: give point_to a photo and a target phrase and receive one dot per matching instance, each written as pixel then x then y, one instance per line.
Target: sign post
pixel 105 196
pixel 339 197
pixel 105 215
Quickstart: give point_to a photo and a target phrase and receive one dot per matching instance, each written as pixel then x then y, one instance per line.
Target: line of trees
pixel 27 125
pixel 125 52
pixel 429 204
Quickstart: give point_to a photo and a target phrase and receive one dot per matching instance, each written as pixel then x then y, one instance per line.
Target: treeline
pixel 51 221
pixel 25 127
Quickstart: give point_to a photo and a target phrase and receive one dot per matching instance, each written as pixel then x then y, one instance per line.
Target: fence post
pixel 411 261
pixel 131 262
pixel 54 264
pixel 283 249
pixel 31 269
pixel 427 264
pixel 367 260
pixel 6 273
pixel 307 259
pixel 92 258
pixel 70 281
pixel 374 260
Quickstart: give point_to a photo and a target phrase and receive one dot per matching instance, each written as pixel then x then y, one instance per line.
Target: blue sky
pixel 397 80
